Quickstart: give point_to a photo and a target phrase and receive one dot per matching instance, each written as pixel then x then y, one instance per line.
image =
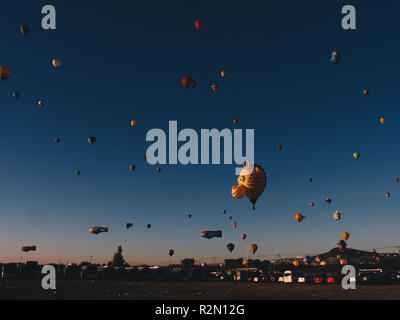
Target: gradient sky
pixel 123 60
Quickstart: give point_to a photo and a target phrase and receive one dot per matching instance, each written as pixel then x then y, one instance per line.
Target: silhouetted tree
pixel 118 259
pixel 187 264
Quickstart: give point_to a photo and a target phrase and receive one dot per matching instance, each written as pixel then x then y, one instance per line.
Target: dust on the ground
pixel 102 289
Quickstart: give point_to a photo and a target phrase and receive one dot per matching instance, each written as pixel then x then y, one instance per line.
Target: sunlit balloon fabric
pixel 251 182
pixel 5 73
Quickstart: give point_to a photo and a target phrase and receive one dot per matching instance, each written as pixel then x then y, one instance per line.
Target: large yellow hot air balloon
pixel 346 235
pixel 5 73
pixel 252 181
pixel 356 155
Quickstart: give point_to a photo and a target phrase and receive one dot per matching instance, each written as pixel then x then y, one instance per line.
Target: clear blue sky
pixel 123 60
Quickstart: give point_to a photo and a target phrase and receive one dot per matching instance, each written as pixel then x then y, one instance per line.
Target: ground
pixel 102 289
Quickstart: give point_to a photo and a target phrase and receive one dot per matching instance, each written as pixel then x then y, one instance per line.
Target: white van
pixel 292 276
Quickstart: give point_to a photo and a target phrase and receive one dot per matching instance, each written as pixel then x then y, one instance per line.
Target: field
pixel 103 289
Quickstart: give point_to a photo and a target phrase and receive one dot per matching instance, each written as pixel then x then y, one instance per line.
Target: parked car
pixel 303 278
pixel 369 275
pixel 120 273
pixel 290 276
pixel 72 271
pixel 89 272
pixel 29 270
pixel 318 278
pixel 332 278
pixel 9 271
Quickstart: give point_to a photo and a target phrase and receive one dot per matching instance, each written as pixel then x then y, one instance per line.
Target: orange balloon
pixel 346 235
pixel 56 63
pixel 382 120
pixel 299 217
pixel 133 123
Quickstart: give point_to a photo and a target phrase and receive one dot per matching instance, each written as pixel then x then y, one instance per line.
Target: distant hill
pixel 347 253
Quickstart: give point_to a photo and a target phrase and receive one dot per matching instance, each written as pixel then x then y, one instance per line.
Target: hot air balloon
pixel 396 180
pixel 365 92
pixel 158 169
pixel 307 259
pixel 129 225
pixel 346 235
pixel 279 147
pixel 295 263
pixel 310 180
pixel 253 248
pixel 335 57
pixel 57 140
pixel 230 217
pixel 253 179
pixel 132 167
pixel 199 25
pixel 311 204
pixel 378 259
pixel 188 82
pixel 25 30
pixel 317 259
pixel 299 217
pixel 356 155
pixel 133 123
pixel 214 87
pixel 16 95
pixel 223 211
pixel 148 226
pixel 238 192
pixel 171 252
pixel 78 172
pixel 328 201
pixel 382 120
pixel 235 121
pixel 323 263
pixel 189 215
pixel 41 103
pixel 5 73
pixel 56 63
pixel 387 195
pixel 91 140
pixel 337 215
pixel 223 74
pixel 230 247
pixel 234 224
pixel 341 245
pixel 243 236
